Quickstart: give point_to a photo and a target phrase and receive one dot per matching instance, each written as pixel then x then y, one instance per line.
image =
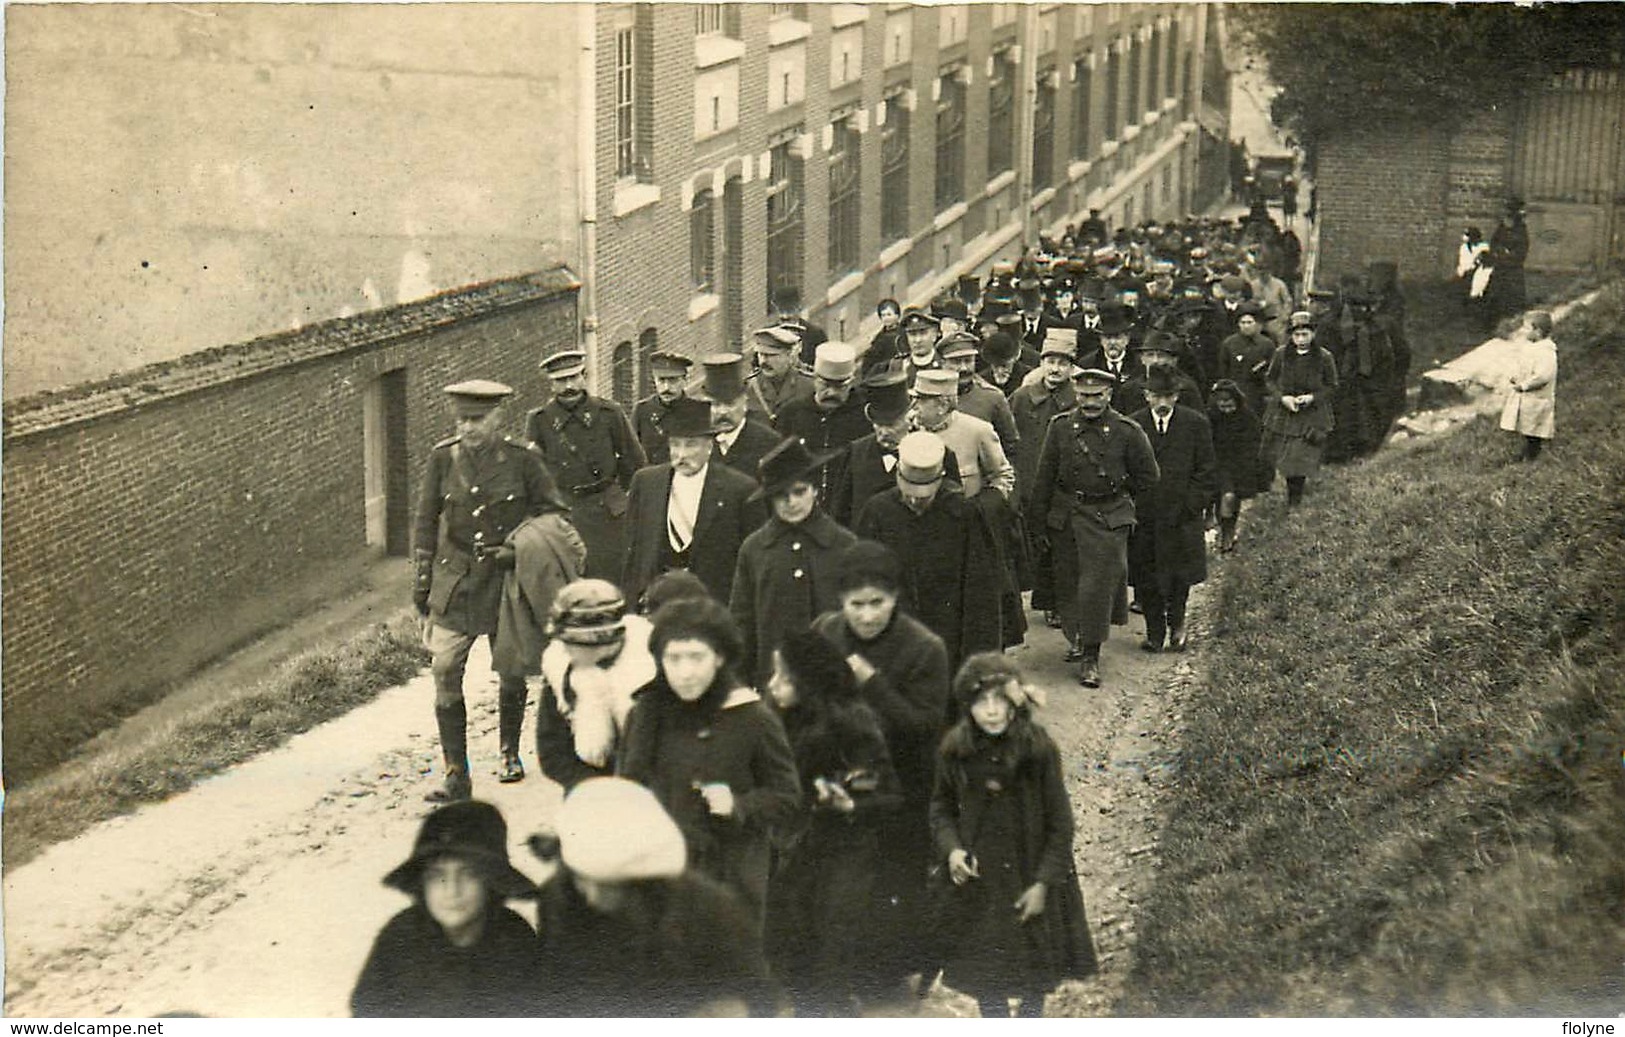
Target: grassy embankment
pixel 1399 790
pixel 317 685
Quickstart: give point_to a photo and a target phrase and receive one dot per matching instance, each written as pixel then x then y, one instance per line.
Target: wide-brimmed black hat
pixel 789 462
pixel 472 830
pixel 888 398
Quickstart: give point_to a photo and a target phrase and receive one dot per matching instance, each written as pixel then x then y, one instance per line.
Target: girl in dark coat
pixel 457 951
pixel 1002 825
pixel 1298 415
pixel 1243 474
pixel 712 752
pixel 818 898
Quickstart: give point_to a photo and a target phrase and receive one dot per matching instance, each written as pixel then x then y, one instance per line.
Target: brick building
pixel 831 155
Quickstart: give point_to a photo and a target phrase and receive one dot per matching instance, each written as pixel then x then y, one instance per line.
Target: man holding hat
pixel 690 513
pixel 778 377
pixel 590 446
pixel 1166 552
pixel 670 373
pixel 786 575
pixel 1093 464
pixel 478 487
pixel 945 545
pixel 960 354
pixel 871 460
pixel 743 435
pixel 833 417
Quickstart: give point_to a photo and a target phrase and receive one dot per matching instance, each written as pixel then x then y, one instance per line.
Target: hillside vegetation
pixel 1400 788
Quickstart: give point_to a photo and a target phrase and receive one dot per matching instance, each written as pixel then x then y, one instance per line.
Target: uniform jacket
pixel 648 421
pixel 468 498
pixel 981 457
pixel 869 470
pixel 767 398
pixel 1034 406
pixel 756 439
pixel 589 447
pixel 1168 538
pixel 825 431
pixel 1097 467
pixel 785 577
pixel 984 401
pixel 949 563
pixel 548 553
pixel 413 971
pixel 728 736
pixel 726 517
pixel 1531 402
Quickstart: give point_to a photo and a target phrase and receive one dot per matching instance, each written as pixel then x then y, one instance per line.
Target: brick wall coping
pixel 166 379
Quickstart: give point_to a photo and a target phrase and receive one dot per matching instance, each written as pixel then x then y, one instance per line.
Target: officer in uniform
pixel 1093 463
pixel 477 487
pixel 591 448
pixel 670 373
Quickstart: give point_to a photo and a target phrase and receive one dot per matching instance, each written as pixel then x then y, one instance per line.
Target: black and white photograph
pixel 906 511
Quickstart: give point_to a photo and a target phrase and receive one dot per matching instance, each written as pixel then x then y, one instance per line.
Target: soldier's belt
pixel 1090 499
pixel 587 489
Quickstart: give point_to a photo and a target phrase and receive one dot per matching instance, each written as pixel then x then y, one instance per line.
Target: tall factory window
pixel 845 169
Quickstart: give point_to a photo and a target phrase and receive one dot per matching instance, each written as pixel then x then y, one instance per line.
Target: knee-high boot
pixel 511 696
pixel 452 721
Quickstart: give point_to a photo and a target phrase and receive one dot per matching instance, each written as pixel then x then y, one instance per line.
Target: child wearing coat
pixel 1532 386
pixel 1014 923
pixel 457 951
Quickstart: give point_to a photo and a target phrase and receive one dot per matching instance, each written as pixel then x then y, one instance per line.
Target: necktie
pixel 679 525
pixel 1162 425
pixel 888 461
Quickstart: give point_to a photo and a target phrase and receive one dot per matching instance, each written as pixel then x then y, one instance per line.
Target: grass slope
pixel 318 685
pixel 1400 788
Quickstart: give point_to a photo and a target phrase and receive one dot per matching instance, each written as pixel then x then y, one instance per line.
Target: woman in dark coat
pixel 1509 248
pixel 818 897
pixel 1013 917
pixel 457 951
pixel 902 672
pixel 1243 474
pixel 711 751
pixel 1302 382
pixel 785 575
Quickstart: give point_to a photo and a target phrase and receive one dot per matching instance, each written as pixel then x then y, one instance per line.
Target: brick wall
pixel 1476 191
pixel 1382 197
pixel 155 521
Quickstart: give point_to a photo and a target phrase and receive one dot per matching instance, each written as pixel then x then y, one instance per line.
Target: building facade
pixel 822 157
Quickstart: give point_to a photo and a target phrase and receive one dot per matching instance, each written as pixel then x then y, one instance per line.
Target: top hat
pixel 970 288
pixel 477 397
pixel 887 394
pixel 1114 320
pixel 563 365
pixel 472 830
pixel 689 418
pixel 666 362
pixel 787 464
pixel 724 377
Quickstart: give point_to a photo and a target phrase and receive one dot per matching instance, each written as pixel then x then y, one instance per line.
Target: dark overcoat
pixel 869 470
pixel 825 432
pixel 1236 438
pixel 949 566
pixel 726 517
pixel 729 736
pixel 755 441
pixel 1167 542
pixel 1062 948
pixel 785 577
pixel 413 971
pixel 1294 441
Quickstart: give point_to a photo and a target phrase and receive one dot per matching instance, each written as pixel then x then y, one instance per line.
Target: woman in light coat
pixel 1532 386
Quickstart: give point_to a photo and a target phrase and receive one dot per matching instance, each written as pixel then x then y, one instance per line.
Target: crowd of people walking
pixel 765 617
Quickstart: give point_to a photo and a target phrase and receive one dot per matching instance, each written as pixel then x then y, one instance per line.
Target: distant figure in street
pixel 1532 386
pixel 458 950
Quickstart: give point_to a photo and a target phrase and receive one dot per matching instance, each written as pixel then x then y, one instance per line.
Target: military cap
pixel 563 365
pixel 1162 380
pixel 1008 319
pixel 776 338
pixel 1060 342
pixel 1301 319
pixel 920 458
pixel 937 383
pixel 1249 308
pixel 917 318
pixel 1108 253
pixel 724 377
pixel 887 394
pixel 666 362
pixel 477 397
pixel 1093 377
pixel 834 361
pixel 689 418
pixel 960 343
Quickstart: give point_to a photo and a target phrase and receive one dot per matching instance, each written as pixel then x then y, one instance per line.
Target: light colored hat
pixel 563 365
pixel 1301 319
pixel 1060 341
pixel 835 361
pixel 920 458
pixel 477 397
pixel 776 338
pixel 937 383
pixel 614 830
pixel 588 612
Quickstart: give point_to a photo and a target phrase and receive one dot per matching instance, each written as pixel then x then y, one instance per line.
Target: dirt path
pixel 258 894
